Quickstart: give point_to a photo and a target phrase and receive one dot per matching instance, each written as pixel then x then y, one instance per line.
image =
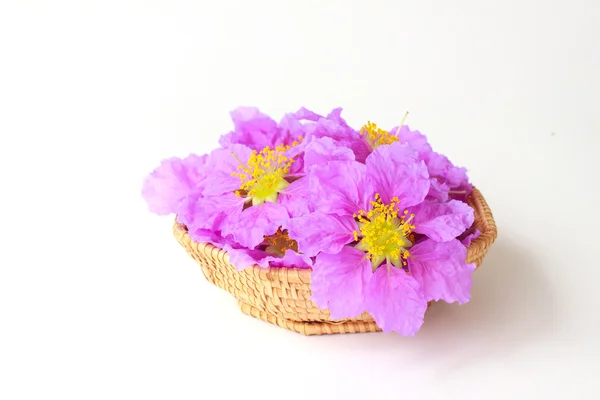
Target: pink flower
pixel 372 255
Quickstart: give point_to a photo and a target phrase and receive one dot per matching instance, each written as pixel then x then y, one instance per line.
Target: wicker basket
pixel 281 296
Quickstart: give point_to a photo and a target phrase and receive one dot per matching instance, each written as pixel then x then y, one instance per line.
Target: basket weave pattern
pixel 282 296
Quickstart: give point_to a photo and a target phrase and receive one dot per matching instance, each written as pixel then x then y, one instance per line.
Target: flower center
pixel 263 177
pixel 279 242
pixel 376 136
pixel 383 234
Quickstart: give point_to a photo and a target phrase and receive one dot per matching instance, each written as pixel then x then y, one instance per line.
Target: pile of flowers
pixel 380 218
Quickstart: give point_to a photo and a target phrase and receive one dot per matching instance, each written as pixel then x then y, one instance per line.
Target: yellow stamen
pixel 375 136
pixel 384 235
pixel 263 176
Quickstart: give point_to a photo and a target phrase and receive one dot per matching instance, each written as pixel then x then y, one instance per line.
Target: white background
pixel 98 301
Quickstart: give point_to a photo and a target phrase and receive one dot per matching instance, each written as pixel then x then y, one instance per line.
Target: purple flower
pixel 240 196
pixel 237 196
pixel 372 255
pixel 249 194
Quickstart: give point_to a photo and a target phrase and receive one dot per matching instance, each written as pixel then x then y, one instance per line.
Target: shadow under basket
pixel 282 296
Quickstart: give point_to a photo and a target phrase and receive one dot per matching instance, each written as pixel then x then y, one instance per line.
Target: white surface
pixel 98 301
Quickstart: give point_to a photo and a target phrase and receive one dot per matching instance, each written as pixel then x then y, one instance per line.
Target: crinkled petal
pixel 299 125
pixel 338 282
pixel 335 127
pixel 242 258
pixel 447 180
pixel 221 164
pixel 396 301
pixel 250 226
pixel 296 198
pixel 466 241
pixel 341 186
pixel 415 139
pixel 198 212
pixel 442 221
pixel 347 137
pixel 323 150
pixel 202 235
pixel 396 171
pixel 316 232
pixel 293 122
pixel 254 129
pixel 173 181
pixel 336 116
pixel 359 147
pixel 439 166
pixel 291 259
pixel 438 191
pixel 441 270
pixel 332 126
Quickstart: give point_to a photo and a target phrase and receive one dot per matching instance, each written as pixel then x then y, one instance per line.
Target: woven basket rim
pixel 484 222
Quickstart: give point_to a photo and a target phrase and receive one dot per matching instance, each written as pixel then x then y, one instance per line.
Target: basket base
pixel 310 328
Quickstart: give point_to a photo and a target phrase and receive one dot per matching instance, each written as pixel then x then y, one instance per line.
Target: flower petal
pixel 442 221
pixel 242 258
pixel 323 150
pixel 338 282
pixel 293 122
pixel 316 232
pixel 415 139
pixel 342 187
pixel 395 301
pixel 291 259
pixel 439 166
pixel 336 128
pixel 333 126
pixel 447 180
pixel 172 181
pixel 203 235
pixel 253 129
pixel 441 270
pixel 250 226
pixel 199 212
pixel 222 163
pixel 336 116
pixel 296 198
pixel 467 239
pixel 438 191
pixel 396 171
